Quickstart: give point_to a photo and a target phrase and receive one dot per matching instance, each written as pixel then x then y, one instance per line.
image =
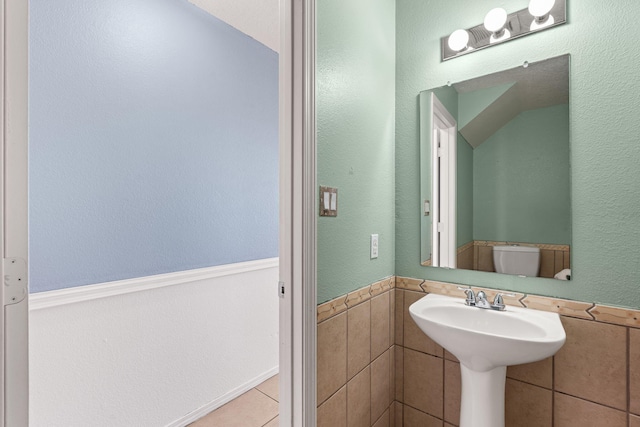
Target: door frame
pixel 14 326
pixel 444 170
pixel 298 318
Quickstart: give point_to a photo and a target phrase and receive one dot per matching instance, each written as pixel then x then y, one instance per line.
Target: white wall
pixel 163 353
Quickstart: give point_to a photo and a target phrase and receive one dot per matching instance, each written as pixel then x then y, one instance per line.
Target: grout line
pixel 592 401
pixel 270 420
pixel 628 355
pixel 260 391
pixel 553 390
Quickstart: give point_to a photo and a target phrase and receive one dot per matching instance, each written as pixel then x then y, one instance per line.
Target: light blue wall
pixel 153 142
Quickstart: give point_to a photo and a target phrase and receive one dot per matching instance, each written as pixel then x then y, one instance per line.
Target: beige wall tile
pixel 359 400
pixel 409 283
pixel 592 364
pixel 415 418
pixel 392 415
pixel 333 412
pixel 537 373
pixel 527 405
pixel 380 314
pixel 558 263
pixel 634 371
pixel 414 338
pixel 573 412
pixel 331 308
pixel 332 356
pixel 358 296
pixel 634 421
pixel 380 384
pixel 399 383
pixel 392 374
pixel 547 260
pixel 384 420
pixel 392 317
pixel 423 382
pixel 398 415
pixel 359 338
pixel 252 409
pixel 616 315
pixel 382 286
pixel 452 392
pixel 399 316
pixel 465 259
pixel 485 258
pixel 561 306
pixel 441 288
pixel 450 356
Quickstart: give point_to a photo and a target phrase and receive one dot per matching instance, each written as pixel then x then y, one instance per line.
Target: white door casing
pixel 14 322
pixel 443 187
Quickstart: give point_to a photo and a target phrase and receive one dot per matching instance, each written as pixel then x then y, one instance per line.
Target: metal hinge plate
pixel 14 271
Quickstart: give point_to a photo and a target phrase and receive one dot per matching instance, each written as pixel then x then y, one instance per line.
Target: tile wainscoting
pixel 381 371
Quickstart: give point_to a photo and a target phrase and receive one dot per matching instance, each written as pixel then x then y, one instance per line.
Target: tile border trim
pixel 578 309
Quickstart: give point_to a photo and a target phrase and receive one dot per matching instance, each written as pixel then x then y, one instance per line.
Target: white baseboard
pixel 58 297
pixel 228 397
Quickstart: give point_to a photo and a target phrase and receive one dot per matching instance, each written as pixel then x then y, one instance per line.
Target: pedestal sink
pixel 486 342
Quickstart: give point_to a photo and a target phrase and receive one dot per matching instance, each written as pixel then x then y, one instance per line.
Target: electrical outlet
pixel 374 246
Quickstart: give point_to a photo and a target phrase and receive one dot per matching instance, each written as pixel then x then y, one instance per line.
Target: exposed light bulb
pixel 495 20
pixel 540 8
pixel 459 40
pixel 536 25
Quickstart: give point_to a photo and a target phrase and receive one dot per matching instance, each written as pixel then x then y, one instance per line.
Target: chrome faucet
pixel 480 300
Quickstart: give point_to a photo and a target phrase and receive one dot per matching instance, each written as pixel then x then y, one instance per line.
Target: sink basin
pixel 486 342
pixel 485 339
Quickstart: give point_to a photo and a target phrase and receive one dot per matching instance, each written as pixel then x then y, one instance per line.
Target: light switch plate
pixel 328 201
pixel 374 246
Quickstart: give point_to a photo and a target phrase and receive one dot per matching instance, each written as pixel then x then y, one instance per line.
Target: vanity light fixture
pixel 459 40
pixel 540 9
pixel 500 26
pixel 495 22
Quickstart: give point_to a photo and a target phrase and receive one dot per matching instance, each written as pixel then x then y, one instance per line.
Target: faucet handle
pixel 498 301
pixel 471 298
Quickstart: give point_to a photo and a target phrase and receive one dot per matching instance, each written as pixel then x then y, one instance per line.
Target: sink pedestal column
pixel 482 402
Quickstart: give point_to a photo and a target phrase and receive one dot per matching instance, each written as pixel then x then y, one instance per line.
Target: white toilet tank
pixel 520 260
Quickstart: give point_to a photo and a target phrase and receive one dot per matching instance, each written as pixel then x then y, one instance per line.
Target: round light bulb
pixel 540 8
pixel 495 19
pixel 458 40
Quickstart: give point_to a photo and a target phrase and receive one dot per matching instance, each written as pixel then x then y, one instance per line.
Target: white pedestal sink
pixel 486 342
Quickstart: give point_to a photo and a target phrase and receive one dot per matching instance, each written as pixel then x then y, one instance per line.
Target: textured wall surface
pixel 521 180
pixel 153 142
pixel 355 113
pixel 604 125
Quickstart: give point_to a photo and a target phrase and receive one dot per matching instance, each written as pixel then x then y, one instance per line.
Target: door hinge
pixel 14 271
pixel 281 289
pixel 439 227
pixel 427 208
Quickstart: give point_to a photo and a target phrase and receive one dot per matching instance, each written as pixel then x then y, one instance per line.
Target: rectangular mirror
pixel 495 172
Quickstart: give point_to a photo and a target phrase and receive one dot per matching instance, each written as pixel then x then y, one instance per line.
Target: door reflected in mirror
pixel 495 172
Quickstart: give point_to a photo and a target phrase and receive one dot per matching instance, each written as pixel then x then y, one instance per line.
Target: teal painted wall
pixel 356 128
pixel 521 180
pixel 604 128
pixel 473 103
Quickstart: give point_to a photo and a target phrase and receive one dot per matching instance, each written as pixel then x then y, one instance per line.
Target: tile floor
pixel 256 408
